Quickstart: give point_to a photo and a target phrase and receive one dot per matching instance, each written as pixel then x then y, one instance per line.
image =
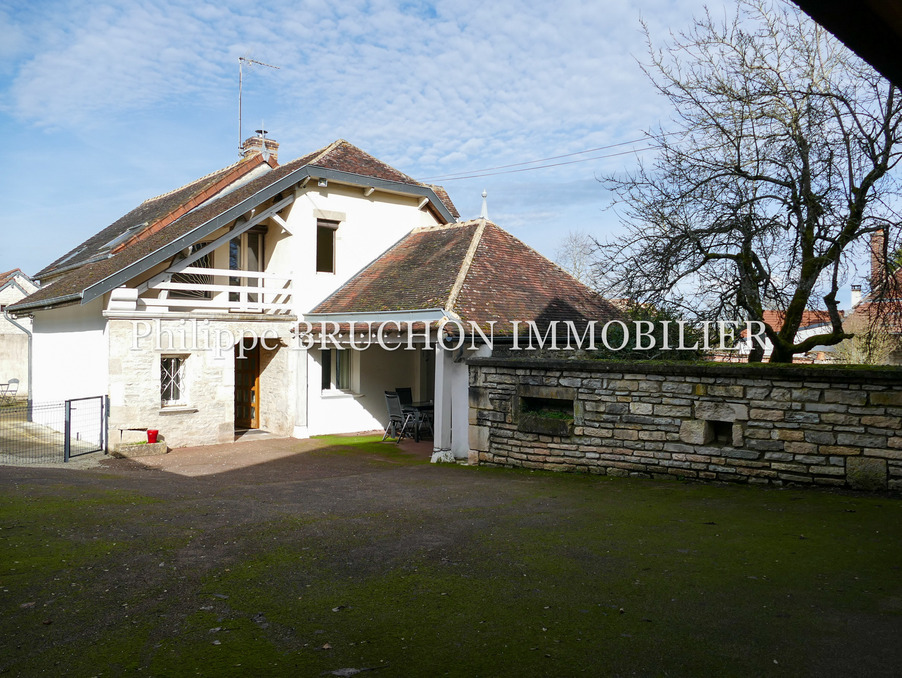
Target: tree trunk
pixel 779 355
pixel 756 355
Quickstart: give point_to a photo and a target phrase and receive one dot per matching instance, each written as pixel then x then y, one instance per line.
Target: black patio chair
pixel 405 395
pixel 399 421
pixel 423 417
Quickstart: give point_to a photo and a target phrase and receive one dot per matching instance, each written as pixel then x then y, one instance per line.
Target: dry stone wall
pixel 757 424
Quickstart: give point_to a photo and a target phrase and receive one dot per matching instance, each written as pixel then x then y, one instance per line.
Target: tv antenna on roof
pixel 241 61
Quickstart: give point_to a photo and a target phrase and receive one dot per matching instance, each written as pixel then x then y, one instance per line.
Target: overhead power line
pixel 490 171
pixel 531 162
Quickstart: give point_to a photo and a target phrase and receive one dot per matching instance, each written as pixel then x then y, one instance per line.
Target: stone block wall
pixel 208 416
pixel 763 424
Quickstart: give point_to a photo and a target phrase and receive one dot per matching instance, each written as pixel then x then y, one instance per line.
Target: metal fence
pixel 35 433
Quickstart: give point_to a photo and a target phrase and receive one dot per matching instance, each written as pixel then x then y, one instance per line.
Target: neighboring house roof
pixel 17 278
pixel 9 275
pixel 809 319
pixel 180 221
pixel 474 270
pixel 884 303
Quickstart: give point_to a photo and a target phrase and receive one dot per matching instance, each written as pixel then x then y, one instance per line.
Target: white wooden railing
pixel 264 292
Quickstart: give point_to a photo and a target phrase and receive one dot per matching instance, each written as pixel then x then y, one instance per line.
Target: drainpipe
pixel 30 338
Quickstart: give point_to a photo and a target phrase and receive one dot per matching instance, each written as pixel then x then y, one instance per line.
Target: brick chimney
pixel 255 145
pixel 878 258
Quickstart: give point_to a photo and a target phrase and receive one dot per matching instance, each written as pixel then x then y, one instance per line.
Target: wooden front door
pixel 247 388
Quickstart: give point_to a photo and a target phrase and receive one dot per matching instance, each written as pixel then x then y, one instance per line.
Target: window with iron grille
pixel 172 380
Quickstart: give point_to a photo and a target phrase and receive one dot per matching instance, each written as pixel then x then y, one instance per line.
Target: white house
pixel 191 312
pixel 14 334
pixel 813 323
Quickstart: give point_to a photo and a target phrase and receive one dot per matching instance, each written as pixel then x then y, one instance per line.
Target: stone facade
pixel 208 414
pixel 757 424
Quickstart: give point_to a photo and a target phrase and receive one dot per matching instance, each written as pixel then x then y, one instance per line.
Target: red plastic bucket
pixel 152 435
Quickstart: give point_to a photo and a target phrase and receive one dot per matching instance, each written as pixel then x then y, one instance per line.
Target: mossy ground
pixel 422 570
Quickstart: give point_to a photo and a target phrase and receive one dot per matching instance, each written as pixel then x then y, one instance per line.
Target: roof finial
pixel 484 214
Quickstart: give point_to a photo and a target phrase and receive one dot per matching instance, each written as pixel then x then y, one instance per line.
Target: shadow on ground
pixel 330 556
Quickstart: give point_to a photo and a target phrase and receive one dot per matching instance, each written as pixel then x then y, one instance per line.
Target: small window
pixel 172 380
pixel 325 245
pixel 336 370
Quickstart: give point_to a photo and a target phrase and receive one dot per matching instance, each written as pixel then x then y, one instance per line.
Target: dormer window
pixel 325 245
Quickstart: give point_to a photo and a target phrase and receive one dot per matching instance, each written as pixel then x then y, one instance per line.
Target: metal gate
pixel 32 433
pixel 86 426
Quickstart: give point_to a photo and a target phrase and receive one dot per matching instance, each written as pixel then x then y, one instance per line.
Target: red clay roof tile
pixel 506 280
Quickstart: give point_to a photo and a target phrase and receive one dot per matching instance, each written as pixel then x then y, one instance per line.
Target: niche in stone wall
pixel 546 410
pixel 716 424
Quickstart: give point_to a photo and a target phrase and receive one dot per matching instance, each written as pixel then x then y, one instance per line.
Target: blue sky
pixel 103 105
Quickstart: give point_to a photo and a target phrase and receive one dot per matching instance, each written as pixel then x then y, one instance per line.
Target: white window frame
pixel 168 378
pixel 345 359
pixel 327 225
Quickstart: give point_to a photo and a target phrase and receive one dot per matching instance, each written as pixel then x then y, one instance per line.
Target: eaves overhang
pixel 870 28
pixel 411 315
pixel 46 304
pixel 386 185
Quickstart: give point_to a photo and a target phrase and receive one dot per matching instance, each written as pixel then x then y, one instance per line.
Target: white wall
pixel 375 371
pixel 70 353
pixel 459 374
pixel 370 225
pixel 13 341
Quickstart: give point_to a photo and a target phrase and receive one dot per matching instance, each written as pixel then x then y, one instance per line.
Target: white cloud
pixel 431 87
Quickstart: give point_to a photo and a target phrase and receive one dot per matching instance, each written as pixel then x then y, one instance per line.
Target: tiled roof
pixel 475 270
pixel 346 157
pixel 9 275
pixel 445 198
pixel 82 278
pixel 510 281
pixel 153 214
pixel 809 319
pixel 418 272
pixel 179 212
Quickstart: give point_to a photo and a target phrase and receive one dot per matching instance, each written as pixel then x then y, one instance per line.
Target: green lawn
pixel 422 570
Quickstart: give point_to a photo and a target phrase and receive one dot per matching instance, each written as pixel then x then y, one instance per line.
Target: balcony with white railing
pixel 195 289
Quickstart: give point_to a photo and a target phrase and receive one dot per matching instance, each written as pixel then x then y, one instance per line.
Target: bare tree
pixel 575 254
pixel 778 166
